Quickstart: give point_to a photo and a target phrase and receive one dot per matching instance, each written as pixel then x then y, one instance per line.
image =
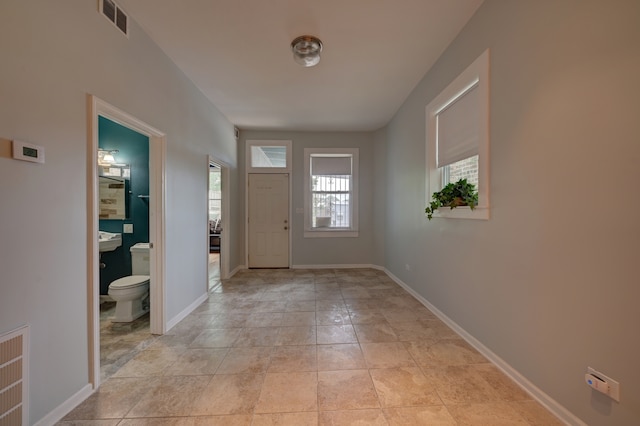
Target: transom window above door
pixel 268 156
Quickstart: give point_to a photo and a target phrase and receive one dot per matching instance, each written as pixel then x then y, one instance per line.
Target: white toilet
pixel 132 293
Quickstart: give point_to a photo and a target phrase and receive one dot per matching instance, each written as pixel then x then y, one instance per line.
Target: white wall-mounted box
pixel 27 151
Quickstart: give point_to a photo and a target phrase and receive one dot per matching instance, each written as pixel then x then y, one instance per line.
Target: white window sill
pixel 480 213
pixel 330 233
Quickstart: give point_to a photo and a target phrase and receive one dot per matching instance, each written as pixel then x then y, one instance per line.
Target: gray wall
pixel 53 55
pixel 330 251
pixel 379 195
pixel 550 282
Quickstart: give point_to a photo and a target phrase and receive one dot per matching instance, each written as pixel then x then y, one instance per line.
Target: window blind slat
pixel 328 166
pixel 458 126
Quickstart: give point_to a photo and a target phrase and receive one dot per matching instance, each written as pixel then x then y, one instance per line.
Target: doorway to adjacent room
pixel 215 223
pixel 156 224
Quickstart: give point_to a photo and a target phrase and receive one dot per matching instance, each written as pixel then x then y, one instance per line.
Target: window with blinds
pixel 458 137
pixel 330 191
pixel 331 183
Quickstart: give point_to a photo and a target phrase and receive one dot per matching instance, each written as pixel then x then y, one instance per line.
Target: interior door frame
pixel 226 216
pixel 96 107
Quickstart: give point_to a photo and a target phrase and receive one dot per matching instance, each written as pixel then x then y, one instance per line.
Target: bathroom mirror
pixel 114 193
pixel 114 170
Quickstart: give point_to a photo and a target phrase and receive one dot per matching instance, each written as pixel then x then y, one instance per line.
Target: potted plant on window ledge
pixel 460 193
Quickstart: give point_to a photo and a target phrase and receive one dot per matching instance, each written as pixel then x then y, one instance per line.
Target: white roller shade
pixel 330 166
pixel 459 128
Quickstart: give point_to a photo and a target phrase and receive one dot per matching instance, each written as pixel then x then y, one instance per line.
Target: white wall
pixel 53 55
pixel 328 251
pixel 550 282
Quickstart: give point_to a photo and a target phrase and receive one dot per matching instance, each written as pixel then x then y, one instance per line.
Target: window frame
pixel 287 144
pixel 314 232
pixel 476 74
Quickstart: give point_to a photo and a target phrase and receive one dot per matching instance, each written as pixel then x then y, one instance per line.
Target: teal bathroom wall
pixel 133 149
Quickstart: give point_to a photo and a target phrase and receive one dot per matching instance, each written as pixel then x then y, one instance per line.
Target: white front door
pixel 269 220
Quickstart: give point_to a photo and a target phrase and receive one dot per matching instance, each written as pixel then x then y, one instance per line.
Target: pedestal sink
pixel 108 241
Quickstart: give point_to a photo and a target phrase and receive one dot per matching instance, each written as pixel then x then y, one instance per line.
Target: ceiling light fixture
pixel 306 50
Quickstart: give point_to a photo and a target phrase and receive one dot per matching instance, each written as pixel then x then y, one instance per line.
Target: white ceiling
pixel 238 53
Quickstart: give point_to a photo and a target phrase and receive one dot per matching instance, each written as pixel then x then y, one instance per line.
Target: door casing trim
pixel 96 107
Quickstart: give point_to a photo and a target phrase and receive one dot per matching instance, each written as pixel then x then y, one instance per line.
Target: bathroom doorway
pixel 123 211
pixel 153 228
pixel 218 229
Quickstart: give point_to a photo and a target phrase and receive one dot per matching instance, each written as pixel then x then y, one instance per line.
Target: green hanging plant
pixel 460 193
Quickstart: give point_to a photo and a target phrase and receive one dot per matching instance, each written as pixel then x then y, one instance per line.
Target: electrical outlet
pixel 407 267
pixel 127 228
pixel 602 383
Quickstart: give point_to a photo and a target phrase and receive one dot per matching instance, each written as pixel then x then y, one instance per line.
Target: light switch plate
pixel 127 228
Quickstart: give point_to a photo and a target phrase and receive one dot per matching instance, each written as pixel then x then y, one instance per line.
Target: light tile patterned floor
pixel 309 347
pixel 214 269
pixel 120 342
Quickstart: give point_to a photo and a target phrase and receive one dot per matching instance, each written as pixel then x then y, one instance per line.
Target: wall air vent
pixel 14 381
pixel 115 15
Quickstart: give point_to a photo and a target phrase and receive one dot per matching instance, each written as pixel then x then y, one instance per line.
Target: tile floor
pixel 214 270
pixel 309 347
pixel 120 342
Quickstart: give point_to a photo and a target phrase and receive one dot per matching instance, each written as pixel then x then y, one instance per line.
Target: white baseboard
pixel 545 400
pixel 336 266
pixel 236 270
pixel 339 266
pixel 186 311
pixel 63 409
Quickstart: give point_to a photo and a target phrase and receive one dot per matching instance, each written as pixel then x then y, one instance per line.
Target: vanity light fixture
pixel 306 50
pixel 105 156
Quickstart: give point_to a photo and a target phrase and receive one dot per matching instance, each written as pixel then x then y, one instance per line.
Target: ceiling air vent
pixel 115 15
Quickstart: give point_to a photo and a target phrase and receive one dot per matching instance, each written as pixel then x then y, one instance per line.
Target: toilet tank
pixel 140 259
